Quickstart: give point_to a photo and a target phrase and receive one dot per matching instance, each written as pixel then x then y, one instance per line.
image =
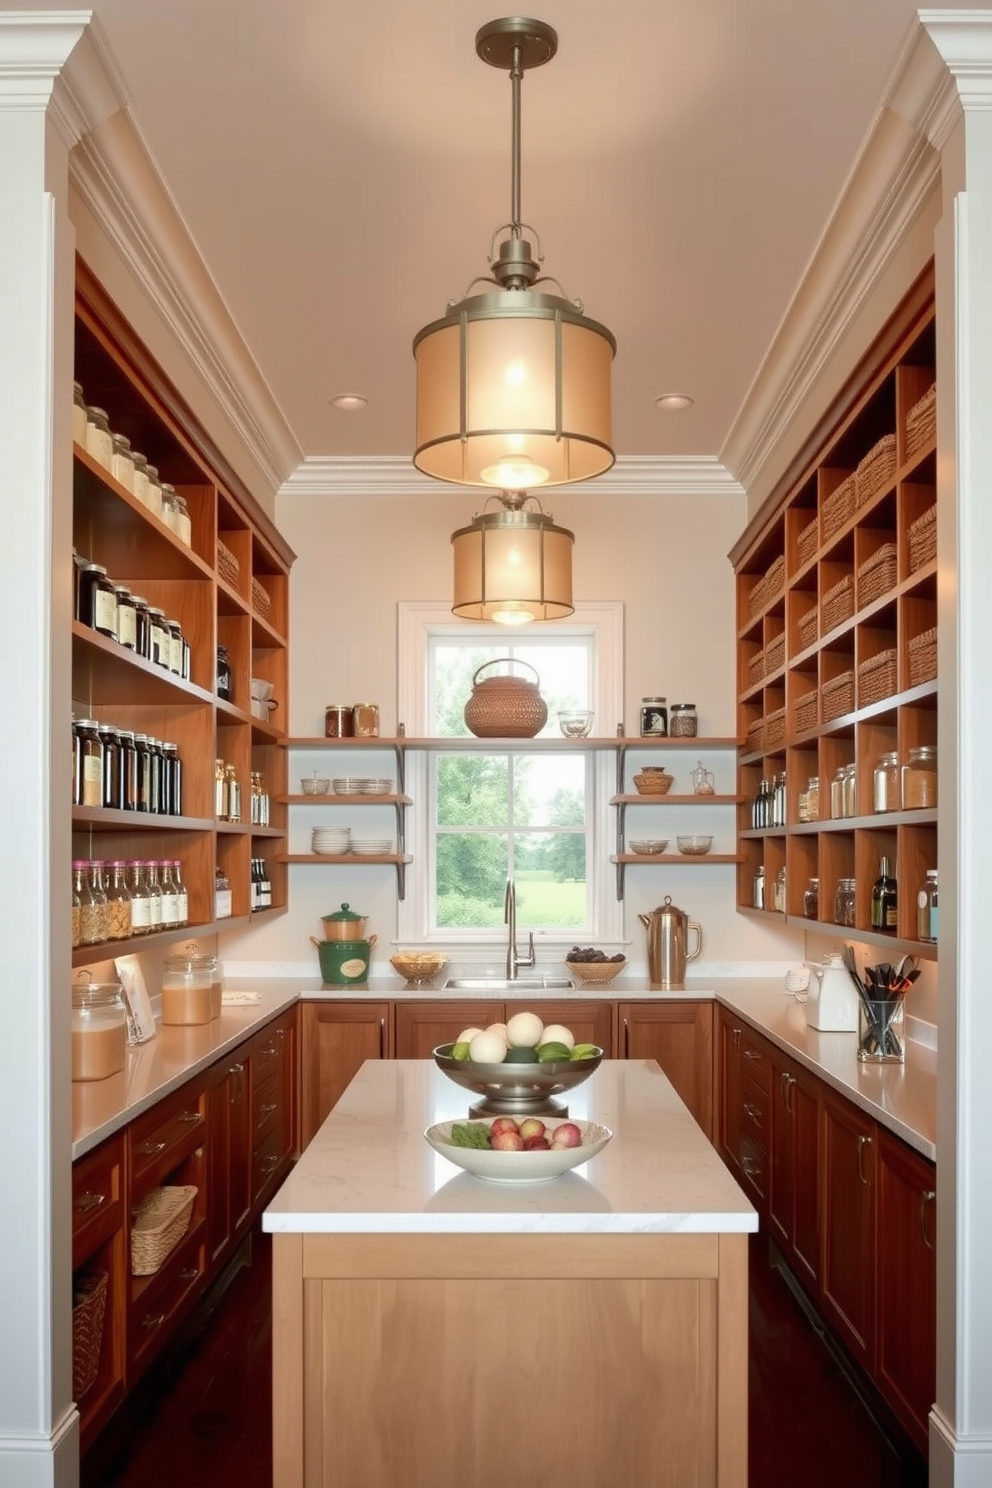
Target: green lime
pixel 521 1056
pixel 585 1051
pixel 553 1053
pixel 459 1051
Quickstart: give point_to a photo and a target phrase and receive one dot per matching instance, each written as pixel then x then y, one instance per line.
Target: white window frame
pixel 417 622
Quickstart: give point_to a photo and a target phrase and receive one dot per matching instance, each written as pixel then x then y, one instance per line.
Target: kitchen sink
pixel 502 984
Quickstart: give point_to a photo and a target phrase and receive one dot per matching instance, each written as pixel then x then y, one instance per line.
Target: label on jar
pixel 92 780
pixel 141 912
pixel 176 654
pixel 127 628
pixel 100 444
pixel 105 610
pixel 654 720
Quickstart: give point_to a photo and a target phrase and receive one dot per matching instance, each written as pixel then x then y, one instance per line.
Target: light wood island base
pixel 607 1360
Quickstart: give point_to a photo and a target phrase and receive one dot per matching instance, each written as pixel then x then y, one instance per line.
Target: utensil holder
pixel 880 1031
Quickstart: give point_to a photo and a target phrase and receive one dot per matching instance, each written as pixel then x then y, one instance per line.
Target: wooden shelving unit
pixel 836 594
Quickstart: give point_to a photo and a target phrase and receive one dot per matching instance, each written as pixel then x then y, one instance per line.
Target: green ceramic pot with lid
pixel 344 961
pixel 344 924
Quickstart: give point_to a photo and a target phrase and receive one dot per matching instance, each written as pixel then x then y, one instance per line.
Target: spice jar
pixel 140 477
pixel 78 414
pixel 141 901
pixel 339 721
pixel 778 901
pixel 654 717
pixel 127 617
pixel 88 773
pixel 683 722
pixel 224 675
pixel 118 901
pixel 185 990
pixel 97 600
pixel 153 499
pixel 184 527
pixel 886 787
pixel 170 511
pixel 99 1030
pixel 99 440
pixel 919 778
pixel 98 901
pixel 122 465
pixel 844 900
pixel 811 899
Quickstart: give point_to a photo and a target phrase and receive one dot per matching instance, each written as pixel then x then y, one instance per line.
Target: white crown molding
pixel 964 40
pixel 896 172
pixel 34 50
pixel 395 475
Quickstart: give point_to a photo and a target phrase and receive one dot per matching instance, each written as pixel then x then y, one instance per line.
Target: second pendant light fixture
pixel 514 391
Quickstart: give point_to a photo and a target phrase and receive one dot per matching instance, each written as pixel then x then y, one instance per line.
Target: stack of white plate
pixel 371 846
pixel 349 785
pixel 377 785
pixel 330 841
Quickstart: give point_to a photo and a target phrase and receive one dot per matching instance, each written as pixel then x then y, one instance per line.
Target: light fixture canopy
pixel 512 565
pixel 514 385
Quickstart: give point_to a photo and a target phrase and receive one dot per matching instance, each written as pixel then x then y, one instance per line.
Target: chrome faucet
pixel 514 960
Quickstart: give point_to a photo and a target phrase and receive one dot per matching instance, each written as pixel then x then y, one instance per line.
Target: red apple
pixel 537 1143
pixel 566 1135
pixel 502 1124
pixel 532 1127
pixel 507 1141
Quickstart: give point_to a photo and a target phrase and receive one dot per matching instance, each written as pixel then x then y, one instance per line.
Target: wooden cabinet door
pixel 848 1207
pixel 728 1114
pixel 905 1282
pixel 421 1026
pixel 679 1035
pixel 793 1182
pixel 781 1157
pixel 228 1155
pixel 336 1039
pixel 98 1253
pixel 589 1022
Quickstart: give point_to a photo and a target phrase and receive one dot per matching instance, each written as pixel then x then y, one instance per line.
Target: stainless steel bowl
pixel 516 1089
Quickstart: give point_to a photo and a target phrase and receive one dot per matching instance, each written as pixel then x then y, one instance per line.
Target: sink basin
pixel 500 984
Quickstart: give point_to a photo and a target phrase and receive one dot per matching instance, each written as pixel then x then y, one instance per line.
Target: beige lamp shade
pixel 514 391
pixel 512 567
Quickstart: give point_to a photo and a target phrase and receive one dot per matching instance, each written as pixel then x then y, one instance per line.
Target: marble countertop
pixel 369 1169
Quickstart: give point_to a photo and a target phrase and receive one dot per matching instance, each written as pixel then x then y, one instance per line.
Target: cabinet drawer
pixel 266 1101
pixel 755 1120
pixel 97 1199
pixel 266 1052
pixel 755 1063
pixel 265 1163
pixel 754 1166
pixel 155 1314
pixel 161 1139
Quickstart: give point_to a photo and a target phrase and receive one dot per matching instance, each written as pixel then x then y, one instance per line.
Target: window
pixel 483 814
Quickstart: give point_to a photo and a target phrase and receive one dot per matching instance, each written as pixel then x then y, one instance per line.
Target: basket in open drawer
pixel 806 710
pixel 837 697
pixel 923 539
pixel 878 677
pixel 89 1307
pixel 160 1222
pixel 838 604
pixel 922 651
pixel 877 575
pixel 876 469
pixel 921 421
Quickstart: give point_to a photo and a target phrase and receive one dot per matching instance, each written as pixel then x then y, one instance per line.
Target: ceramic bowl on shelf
pixel 519 1167
pixel 649 846
pixel 694 846
pixel 348 785
pixel 516 1089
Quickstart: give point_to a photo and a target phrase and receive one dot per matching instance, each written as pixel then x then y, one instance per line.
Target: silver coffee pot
pixel 668 943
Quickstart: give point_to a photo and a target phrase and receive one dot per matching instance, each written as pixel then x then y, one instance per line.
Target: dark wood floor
pixel 202 1420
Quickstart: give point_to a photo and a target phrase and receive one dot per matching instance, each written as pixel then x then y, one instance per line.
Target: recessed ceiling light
pixel 349 402
pixel 673 402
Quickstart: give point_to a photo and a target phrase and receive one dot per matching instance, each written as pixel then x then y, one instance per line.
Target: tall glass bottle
pixel 884 904
pixel 154 893
pixel 118 901
pixel 180 883
pixel 141 901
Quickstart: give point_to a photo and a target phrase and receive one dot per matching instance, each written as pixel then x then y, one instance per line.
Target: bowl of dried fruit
pixel 590 965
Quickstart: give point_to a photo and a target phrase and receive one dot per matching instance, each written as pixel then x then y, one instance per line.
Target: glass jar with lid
pixel 778 900
pixel 154 893
pixel 140 476
pixel 184 527
pixel 170 511
pixel 886 786
pixel 654 717
pixel 99 1030
pixel 175 647
pixel 811 899
pixel 161 640
pixel 154 498
pixel 141 900
pixel 127 617
pixel 142 627
pixel 92 915
pixel 183 896
pixel 683 722
pixel 111 790
pixel 186 982
pixel 118 901
pixel 122 463
pixel 99 440
pixel 97 600
pixel 844 902
pixel 88 759
pixel 78 414
pixel 843 792
pixel 170 895
pixel 77 909
pixel 98 899
pixel 813 798
pixel 919 778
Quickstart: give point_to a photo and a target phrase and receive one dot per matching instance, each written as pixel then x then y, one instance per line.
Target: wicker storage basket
pixel 755 668
pixel 227 565
pixel 876 470
pixel 599 972
pixel 775 579
pixel 775 729
pixel 806 543
pixel 261 600
pixel 877 575
pixel 922 651
pixel 878 677
pixel 923 539
pixel 756 597
pixel 921 421
pixel 755 736
pixel 837 697
pixel 838 507
pixel 809 628
pixel 775 654
pixel 89 1307
pixel 838 604
pixel 160 1222
pixel 653 782
pixel 505 707
pixel 806 711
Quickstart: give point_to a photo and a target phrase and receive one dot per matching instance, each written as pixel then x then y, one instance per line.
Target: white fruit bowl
pixel 517 1090
pixel 519 1167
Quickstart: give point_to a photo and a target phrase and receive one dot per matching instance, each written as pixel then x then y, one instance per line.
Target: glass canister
pixel 811 899
pixel 140 476
pixel 339 721
pixel 141 900
pixel 813 799
pixel 919 778
pixel 122 464
pixel 170 510
pixel 154 497
pixel 778 900
pixel 99 440
pixel 844 900
pixel 203 964
pixel 683 721
pixel 78 414
pixel 99 1030
pixel 186 982
pixel 77 909
pixel 118 901
pixel 654 718
pixel 886 786
pixel 184 526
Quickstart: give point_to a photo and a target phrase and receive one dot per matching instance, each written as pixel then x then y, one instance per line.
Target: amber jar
pixel 339 721
pixel 919 778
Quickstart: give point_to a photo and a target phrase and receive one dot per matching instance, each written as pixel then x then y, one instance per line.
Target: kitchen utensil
pixel 344 961
pixel 344 924
pixel 518 1167
pixel 516 1089
pixel 833 1003
pixel 505 707
pixel 668 935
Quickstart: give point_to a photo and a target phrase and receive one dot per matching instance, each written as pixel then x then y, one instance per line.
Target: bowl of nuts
pixel 591 965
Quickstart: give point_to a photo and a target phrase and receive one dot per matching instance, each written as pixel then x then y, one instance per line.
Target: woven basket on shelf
pixel 755 668
pixel 809 628
pixel 227 564
pixel 595 971
pixel 875 471
pixel 922 651
pixel 261 600
pixel 838 507
pixel 921 421
pixel 923 539
pixel 838 604
pixel 505 707
pixel 653 782
pixel 89 1307
pixel 756 597
pixel 775 729
pixel 806 543
pixel 877 575
pixel 775 654
pixel 837 697
pixel 878 677
pixel 160 1222
pixel 775 578
pixel 755 736
pixel 806 711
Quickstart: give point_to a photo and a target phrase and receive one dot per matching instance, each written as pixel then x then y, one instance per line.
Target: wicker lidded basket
pixel 506 707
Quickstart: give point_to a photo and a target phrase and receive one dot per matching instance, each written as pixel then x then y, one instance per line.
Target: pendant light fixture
pixel 512 565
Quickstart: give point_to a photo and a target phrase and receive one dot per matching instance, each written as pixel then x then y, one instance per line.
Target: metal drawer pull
pixel 236 1069
pixel 926 1199
pixel 269 1164
pixel 752 1110
pixel 753 1055
pixel 189 1273
pixel 863 1142
pixel 153 1322
pixel 190 1118
pixel 737 1038
pixel 271 1051
pixel 751 1168
pixel 268 1109
pixel 148 1149
pixel 88 1201
pixel 787 1083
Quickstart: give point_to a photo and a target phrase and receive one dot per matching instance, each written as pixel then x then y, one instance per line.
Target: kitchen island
pixel 433 1329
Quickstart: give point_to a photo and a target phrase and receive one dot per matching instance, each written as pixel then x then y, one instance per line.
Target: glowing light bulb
pixel 512 614
pixel 515 374
pixel 513 472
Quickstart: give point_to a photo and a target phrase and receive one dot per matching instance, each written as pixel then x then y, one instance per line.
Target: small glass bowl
pixel 314 785
pixel 649 847
pixel 575 725
pixel 694 847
